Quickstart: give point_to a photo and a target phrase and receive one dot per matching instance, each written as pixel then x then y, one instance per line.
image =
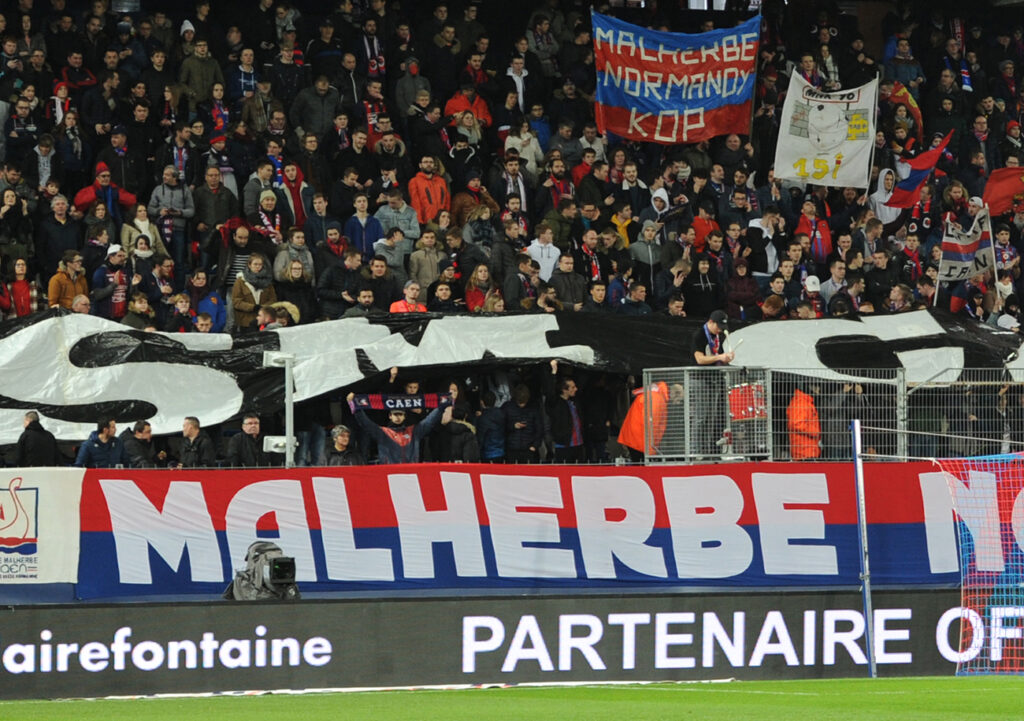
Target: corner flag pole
pixel 865 569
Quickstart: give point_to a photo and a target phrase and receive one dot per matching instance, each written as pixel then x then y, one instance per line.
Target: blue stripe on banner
pixel 916 177
pixel 711 94
pixel 899 557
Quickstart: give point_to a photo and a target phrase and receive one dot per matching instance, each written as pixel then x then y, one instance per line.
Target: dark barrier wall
pixel 55 652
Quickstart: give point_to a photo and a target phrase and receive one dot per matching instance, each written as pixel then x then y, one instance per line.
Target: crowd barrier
pixel 477 529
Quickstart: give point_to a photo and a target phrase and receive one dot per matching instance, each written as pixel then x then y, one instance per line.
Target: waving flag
pixel 907 191
pixel 671 87
pixel 965 254
pixel 1004 189
pixel 900 94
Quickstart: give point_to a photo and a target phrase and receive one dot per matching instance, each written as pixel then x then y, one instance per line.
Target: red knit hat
pixel 102 167
pixel 218 139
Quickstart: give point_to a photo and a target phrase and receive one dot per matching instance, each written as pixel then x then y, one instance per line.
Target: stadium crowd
pixel 241 166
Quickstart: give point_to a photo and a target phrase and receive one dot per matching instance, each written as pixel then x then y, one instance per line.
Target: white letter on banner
pixel 779 525
pixel 774 625
pixel 698 124
pixel 602 540
pixel 883 635
pixel 707 540
pixel 419 529
pixel 652 82
pixel 184 523
pixel 830 637
pixel 626 41
pixel 634 122
pixel 999 631
pixel 345 562
pixel 511 529
pixel 285 500
pixel 667 137
pixel 634 82
pixel 978 507
pixel 603 35
pixel 963 615
pixel 663 640
pixel 527 630
pixel 731 49
pixel 471 646
pixel 939 530
pixel 749 41
pixel 629 622
pixel 733 647
pixel 584 644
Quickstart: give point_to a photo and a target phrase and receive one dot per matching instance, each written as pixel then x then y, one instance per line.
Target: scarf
pixel 590 258
pixel 374 57
pixel 75 138
pixel 559 189
pixel 961 68
pixel 921 217
pixel 915 264
pixel 268 224
pixel 515 186
pixel 278 170
pixel 259 281
pixel 295 193
pixel 528 290
pixel 220 115
pixel 400 402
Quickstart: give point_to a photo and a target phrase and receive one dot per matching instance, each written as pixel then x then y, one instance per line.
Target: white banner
pixel 39 524
pixel 967 253
pixel 825 138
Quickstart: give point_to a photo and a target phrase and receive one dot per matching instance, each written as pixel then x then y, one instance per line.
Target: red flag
pixel 900 94
pixel 1002 188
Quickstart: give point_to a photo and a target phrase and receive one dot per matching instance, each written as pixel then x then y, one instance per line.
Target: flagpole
pixel 992 245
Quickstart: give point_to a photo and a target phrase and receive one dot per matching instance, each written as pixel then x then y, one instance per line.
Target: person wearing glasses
pixel 68 282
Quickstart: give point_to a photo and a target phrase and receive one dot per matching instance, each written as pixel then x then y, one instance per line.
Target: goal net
pixel 990 527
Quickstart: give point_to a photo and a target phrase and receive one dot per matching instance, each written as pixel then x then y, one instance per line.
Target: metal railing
pixel 715 414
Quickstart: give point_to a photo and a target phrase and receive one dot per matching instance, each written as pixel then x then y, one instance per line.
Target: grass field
pixel 934 699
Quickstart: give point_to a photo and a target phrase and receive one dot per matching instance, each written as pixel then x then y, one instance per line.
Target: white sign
pixel 825 138
pixel 39 522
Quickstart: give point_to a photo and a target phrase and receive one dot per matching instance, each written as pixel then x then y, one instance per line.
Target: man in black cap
pixel 127 167
pixel 708 389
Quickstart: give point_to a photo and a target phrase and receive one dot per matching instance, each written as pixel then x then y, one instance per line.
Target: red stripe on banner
pixel 893 491
pixel 696 62
pixel 689 128
pixel 951 246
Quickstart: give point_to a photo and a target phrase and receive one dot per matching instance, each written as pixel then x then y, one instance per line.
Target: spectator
pixel 245 449
pixel 343 452
pixel 399 442
pixel 36 445
pixel 197 449
pixel 103 449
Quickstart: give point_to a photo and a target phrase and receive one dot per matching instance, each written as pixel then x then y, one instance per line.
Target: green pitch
pixel 927 699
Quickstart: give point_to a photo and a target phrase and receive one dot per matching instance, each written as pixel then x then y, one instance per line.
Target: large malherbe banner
pixel 826 138
pixel 670 88
pixel 483 527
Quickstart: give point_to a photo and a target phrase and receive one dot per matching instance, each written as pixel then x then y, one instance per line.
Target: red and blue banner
pixel 482 528
pixel 668 88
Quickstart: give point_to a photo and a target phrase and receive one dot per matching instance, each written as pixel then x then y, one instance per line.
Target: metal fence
pixel 730 414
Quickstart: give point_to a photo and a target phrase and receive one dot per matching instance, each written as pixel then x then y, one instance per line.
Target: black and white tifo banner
pixel 73 369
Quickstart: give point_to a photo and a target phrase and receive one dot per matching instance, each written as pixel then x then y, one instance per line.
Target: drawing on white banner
pixel 826 137
pixel 18 528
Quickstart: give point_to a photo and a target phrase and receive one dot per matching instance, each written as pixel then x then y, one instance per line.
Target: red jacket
pixel 429 196
pixel 91 193
pixel 460 103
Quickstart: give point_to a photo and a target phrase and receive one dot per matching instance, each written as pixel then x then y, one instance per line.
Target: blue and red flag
pixel 907 191
pixel 672 88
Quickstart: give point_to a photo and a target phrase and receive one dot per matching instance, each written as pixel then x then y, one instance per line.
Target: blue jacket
pixel 398 445
pixel 213 304
pixel 490 433
pixel 363 237
pixel 96 454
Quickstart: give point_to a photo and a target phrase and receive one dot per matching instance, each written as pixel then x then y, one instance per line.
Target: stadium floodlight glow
pixel 278 359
